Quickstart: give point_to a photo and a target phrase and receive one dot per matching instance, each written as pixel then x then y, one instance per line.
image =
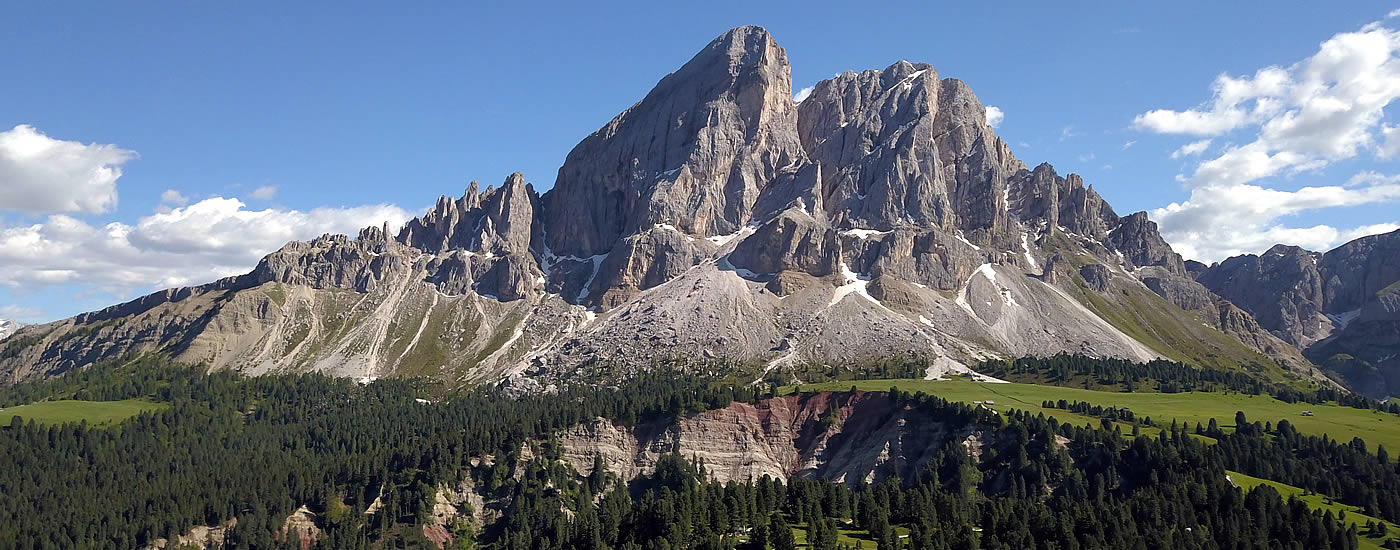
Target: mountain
pixel 880 218
pixel 1342 307
pixel 8 327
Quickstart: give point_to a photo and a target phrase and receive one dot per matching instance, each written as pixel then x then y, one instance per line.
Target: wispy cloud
pixel 265 192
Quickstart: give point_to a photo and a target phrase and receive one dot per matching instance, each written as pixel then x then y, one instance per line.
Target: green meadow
pixel 96 413
pixel 1341 423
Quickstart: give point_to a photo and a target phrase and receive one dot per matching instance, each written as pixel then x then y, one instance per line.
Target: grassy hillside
pixel 1322 502
pixel 1340 423
pixel 97 413
pixel 1154 321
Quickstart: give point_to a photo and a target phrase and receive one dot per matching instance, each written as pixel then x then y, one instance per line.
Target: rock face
pixel 1340 307
pixel 881 218
pixel 900 147
pixel 869 440
pixel 694 155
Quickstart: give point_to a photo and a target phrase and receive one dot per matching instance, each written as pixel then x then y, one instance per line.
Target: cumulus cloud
pixel 1301 118
pixel 802 94
pixel 994 116
pixel 265 192
pixel 1192 149
pixel 43 175
pixel 1217 222
pixel 174 198
pixel 204 241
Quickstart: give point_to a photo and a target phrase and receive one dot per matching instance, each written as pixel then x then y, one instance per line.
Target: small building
pixel 1308 413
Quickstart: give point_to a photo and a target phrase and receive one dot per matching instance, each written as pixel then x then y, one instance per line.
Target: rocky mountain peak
pixel 694 154
pixel 8 327
pixel 496 221
pixel 1142 245
pixel 880 217
pixel 900 147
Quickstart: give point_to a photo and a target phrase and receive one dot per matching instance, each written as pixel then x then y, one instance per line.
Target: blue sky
pixel 237 127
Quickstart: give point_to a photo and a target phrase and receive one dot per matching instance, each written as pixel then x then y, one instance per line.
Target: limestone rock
pixel 1095 276
pixel 1137 238
pixel 695 153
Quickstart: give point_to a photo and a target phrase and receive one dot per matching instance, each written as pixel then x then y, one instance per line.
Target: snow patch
pixel 597 261
pixel 960 237
pixel 1026 248
pixel 721 240
pixel 1341 320
pixel 863 234
pixel 855 283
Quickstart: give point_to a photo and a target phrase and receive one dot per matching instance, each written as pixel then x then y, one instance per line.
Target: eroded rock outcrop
pixel 850 437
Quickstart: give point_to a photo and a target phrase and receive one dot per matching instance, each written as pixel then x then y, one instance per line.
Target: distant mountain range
pixel 8 327
pixel 879 219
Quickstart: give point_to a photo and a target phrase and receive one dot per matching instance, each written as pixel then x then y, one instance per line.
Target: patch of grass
pixel 96 413
pixel 1340 423
pixel 430 356
pixel 844 536
pixel 1322 502
pixel 1177 335
pixel 275 293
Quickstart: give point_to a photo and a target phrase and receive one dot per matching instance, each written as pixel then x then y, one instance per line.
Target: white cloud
pixel 1191 149
pixel 1393 13
pixel 22 314
pixel 994 116
pixel 1321 110
pixel 1129 143
pixel 802 94
pixel 265 192
pixel 42 175
pixel 1107 167
pixel 1068 132
pixel 204 241
pixel 1221 221
pixel 1086 157
pixel 174 198
pixel 1235 103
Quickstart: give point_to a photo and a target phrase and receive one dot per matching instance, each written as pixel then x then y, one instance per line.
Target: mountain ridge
pixel 716 218
pixel 1341 307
